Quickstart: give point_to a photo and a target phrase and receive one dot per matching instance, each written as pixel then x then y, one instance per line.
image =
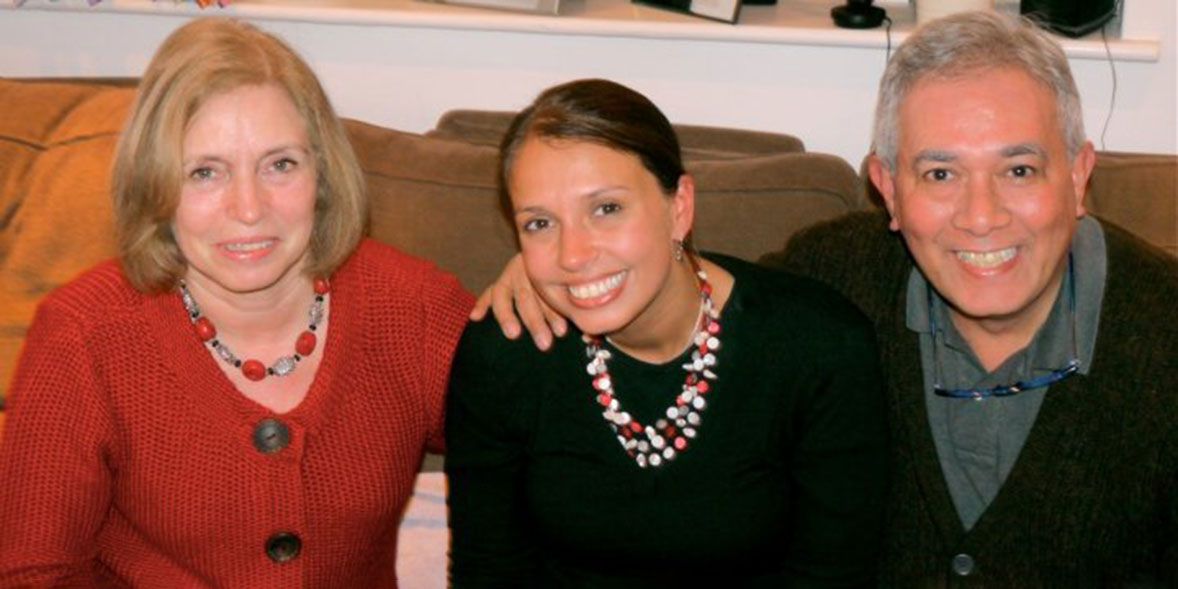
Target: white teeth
pixel 987 259
pixel 248 247
pixel 596 289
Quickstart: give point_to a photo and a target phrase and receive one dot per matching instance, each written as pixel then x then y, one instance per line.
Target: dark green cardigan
pixel 1092 498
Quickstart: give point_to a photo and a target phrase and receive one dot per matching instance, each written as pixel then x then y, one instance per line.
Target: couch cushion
pixel 485 127
pixel 433 196
pixel 1138 192
pixel 56 143
pixel 436 199
pixel 753 190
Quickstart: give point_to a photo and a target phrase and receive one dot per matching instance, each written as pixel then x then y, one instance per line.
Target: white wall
pixel 406 77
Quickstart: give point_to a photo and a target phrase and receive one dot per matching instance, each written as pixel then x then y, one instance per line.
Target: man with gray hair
pixel 1030 351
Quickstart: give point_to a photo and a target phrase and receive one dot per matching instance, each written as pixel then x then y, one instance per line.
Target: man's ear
pixel 1082 167
pixel 885 183
pixel 683 208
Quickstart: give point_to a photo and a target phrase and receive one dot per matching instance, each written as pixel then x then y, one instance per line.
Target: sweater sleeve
pixel 1169 548
pixel 490 544
pixel 446 306
pixel 56 487
pixel 852 254
pixel 1168 487
pixel 838 457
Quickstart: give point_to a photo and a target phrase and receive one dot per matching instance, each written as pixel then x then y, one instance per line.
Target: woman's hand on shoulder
pixel 512 300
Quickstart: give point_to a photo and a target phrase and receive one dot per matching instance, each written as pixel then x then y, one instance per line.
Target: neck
pixel 261 318
pixel 668 324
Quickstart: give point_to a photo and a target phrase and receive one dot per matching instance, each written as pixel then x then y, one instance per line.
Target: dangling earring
pixel 677 249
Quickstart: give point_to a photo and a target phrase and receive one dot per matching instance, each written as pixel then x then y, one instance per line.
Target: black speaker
pixel 1073 18
pixel 858 14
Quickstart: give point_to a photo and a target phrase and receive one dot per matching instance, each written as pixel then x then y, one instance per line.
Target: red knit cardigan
pixel 129 459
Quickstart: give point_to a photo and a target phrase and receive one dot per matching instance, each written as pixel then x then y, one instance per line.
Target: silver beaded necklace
pixel 251 368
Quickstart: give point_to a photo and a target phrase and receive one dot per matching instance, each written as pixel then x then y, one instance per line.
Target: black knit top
pixel 782 487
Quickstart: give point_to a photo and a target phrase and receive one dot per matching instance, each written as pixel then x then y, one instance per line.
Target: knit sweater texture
pixel 129 458
pixel 1091 500
pixel 782 487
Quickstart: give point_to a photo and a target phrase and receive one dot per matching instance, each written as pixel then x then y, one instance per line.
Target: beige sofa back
pixel 433 196
pixel 436 195
pixel 1138 191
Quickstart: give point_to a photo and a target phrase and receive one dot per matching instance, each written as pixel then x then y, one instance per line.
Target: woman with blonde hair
pixel 243 398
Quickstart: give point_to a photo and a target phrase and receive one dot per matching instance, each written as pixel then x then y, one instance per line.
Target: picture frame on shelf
pixel 549 7
pixel 726 11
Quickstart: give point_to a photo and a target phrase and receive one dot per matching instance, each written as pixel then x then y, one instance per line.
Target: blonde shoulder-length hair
pixel 202 59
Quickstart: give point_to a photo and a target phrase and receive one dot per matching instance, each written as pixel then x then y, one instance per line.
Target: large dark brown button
pixel 271 436
pixel 283 547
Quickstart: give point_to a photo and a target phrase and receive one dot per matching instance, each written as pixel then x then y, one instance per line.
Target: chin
pixel 595 325
pixel 248 281
pixel 595 319
pixel 1004 299
pixel 598 322
pixel 982 304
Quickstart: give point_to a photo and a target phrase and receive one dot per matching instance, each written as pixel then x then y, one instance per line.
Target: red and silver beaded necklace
pixel 659 443
pixel 254 369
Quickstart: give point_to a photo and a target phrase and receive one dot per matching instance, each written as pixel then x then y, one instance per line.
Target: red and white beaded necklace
pixel 254 369
pixel 659 443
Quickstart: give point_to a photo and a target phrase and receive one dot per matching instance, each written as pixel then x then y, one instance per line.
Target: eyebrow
pixel 600 192
pixel 214 157
pixel 527 210
pixel 199 159
pixel 606 191
pixel 299 147
pixel 1020 149
pixel 934 155
pixel 1024 149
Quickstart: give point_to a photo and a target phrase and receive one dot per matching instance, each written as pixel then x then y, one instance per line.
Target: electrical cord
pixel 1112 101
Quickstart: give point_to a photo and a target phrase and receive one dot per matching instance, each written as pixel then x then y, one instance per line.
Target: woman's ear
pixel 683 208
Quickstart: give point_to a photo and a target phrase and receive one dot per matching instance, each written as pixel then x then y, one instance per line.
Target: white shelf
pixel 790 22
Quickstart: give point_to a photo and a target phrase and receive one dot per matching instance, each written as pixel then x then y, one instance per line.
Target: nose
pixel 576 248
pixel 981 209
pixel 245 199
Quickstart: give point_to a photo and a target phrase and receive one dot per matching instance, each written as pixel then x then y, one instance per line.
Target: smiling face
pixel 985 194
pixel 247 203
pixel 596 232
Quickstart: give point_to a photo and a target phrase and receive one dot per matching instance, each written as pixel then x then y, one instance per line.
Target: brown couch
pixel 434 194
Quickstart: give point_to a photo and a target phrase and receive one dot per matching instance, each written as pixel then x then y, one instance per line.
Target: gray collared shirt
pixel 978 442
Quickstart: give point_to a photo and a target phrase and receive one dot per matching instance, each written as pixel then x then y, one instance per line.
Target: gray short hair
pixel 964 43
